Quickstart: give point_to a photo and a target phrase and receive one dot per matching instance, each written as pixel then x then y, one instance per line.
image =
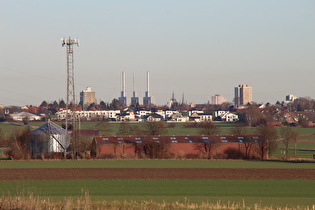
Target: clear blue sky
pixel 199 48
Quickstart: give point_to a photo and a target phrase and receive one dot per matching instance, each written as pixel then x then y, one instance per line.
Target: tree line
pixel 18 143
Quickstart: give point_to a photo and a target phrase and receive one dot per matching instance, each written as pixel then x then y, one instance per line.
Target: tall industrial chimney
pixel 122 99
pixel 148 84
pixel 147 97
pixel 134 98
pixel 123 84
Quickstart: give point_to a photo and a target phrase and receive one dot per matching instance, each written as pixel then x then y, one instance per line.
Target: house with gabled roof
pixel 153 117
pixel 222 115
pixel 200 117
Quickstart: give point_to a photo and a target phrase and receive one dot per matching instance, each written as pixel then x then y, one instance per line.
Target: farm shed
pixel 196 146
pixel 49 138
pixel 25 115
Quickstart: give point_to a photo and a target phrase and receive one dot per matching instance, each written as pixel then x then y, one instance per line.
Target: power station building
pixel 147 99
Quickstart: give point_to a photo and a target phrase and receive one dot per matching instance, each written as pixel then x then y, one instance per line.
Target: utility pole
pixel 70 102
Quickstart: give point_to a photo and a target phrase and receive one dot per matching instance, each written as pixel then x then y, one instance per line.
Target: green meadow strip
pixel 267 192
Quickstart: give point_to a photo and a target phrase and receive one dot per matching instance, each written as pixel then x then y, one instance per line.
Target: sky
pixel 196 48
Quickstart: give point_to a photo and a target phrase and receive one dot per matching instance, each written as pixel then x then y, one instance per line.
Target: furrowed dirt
pixel 154 173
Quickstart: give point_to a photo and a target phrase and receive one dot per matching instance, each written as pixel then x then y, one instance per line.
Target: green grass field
pixel 274 193
pixel 157 164
pixel 264 192
pixel 179 128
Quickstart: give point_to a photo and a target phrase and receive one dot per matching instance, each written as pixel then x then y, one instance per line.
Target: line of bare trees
pixel 18 143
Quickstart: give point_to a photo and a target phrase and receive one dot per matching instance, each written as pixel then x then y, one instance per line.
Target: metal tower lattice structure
pixel 70 102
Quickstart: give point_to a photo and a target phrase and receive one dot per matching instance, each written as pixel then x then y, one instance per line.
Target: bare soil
pixel 154 173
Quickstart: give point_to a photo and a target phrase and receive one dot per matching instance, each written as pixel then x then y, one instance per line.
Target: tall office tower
pixel 87 97
pixel 123 99
pixel 243 95
pixel 290 98
pixel 134 98
pixel 218 99
pixel 147 97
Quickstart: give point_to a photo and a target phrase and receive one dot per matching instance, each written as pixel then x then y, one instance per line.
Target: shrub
pixel 232 153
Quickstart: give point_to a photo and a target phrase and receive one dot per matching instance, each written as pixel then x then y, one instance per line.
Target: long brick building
pixel 196 146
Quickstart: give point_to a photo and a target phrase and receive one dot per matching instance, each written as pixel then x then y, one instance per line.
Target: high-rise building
pixel 218 99
pixel 242 95
pixel 290 98
pixel 87 97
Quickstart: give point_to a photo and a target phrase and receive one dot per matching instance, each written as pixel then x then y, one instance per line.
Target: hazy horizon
pixel 196 48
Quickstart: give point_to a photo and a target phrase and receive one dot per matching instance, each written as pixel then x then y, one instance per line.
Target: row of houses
pixel 147 115
pixel 128 115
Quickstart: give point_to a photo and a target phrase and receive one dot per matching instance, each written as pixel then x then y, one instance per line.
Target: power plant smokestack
pixel 123 84
pixel 147 97
pixel 123 99
pixel 148 84
pixel 134 98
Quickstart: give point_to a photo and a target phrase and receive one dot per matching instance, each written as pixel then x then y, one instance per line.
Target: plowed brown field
pixel 154 173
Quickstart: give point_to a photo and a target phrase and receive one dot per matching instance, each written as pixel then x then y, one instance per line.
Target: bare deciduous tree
pixel 252 115
pixel 208 128
pixel 19 144
pixel 207 147
pixel 79 145
pixel 152 149
pixel 248 142
pixel 288 135
pixel 155 128
pixel 268 143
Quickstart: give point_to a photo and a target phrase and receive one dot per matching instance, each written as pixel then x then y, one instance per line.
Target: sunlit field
pixel 264 192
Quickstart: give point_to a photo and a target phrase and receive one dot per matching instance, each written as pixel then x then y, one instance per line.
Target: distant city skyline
pixel 198 49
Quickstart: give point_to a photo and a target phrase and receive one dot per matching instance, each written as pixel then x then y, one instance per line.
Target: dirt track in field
pixel 154 173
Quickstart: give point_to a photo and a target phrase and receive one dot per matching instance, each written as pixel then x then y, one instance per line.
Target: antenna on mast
pixel 70 102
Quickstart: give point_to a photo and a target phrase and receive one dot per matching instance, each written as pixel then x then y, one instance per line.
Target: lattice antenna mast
pixel 70 102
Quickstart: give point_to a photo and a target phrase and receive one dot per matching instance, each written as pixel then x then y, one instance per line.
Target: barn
pixel 49 138
pixel 195 146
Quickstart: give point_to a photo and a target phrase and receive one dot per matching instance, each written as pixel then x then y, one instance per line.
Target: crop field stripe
pixel 265 190
pixel 155 174
pixel 246 188
pixel 156 164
